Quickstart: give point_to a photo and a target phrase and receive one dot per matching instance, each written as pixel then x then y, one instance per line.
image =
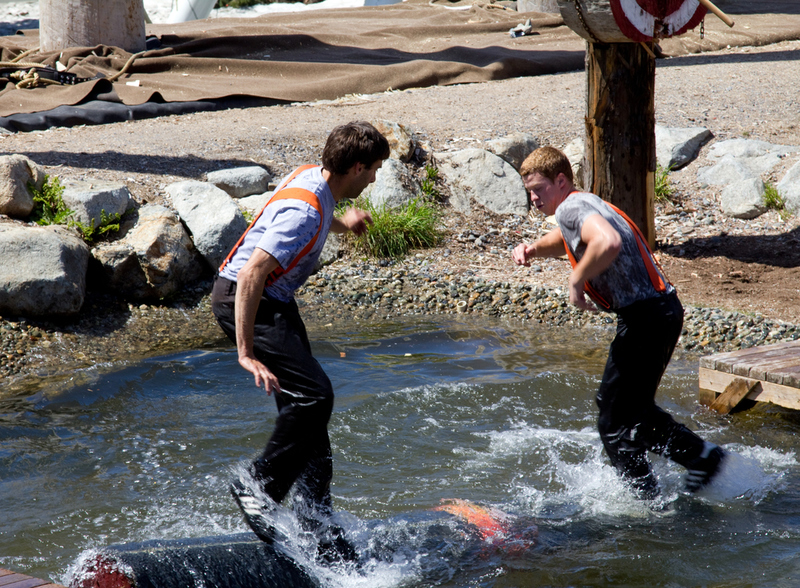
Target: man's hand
pixel 577 296
pixel 522 253
pixel 354 220
pixel 261 373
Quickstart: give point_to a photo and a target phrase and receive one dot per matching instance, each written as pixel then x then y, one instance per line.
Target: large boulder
pixel 401 140
pixel 475 176
pixel 154 259
pixel 575 151
pixel 212 217
pixel 394 186
pixel 726 171
pixel 741 159
pixel 15 173
pixel 90 199
pixel 678 147
pixel 513 148
pixel 43 272
pixel 240 182
pixel 743 199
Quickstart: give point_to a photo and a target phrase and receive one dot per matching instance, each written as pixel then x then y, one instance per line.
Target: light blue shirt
pixel 283 230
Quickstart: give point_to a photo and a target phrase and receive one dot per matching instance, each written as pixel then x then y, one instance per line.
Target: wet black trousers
pixel 630 423
pixel 299 448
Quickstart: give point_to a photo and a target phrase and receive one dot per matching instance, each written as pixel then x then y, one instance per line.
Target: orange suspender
pixel 282 193
pixel 648 259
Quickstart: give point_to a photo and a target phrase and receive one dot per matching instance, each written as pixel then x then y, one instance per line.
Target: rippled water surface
pixel 499 414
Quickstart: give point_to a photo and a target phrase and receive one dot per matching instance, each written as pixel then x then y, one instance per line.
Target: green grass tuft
pixel 395 232
pixel 49 209
pixel 48 204
pixel 663 189
pixel 774 201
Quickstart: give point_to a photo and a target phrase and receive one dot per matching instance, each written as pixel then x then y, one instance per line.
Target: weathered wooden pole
pixel 86 23
pixel 620 129
pixel 620 94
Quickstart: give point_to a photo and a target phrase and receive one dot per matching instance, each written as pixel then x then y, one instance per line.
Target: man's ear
pixel 561 181
pixel 357 168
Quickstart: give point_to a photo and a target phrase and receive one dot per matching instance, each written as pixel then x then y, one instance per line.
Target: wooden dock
pixel 9 579
pixel 765 374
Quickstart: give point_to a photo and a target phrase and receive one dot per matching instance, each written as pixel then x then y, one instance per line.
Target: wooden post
pixel 620 129
pixel 86 23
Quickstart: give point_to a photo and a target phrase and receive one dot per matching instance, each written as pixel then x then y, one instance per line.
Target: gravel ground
pixel 740 92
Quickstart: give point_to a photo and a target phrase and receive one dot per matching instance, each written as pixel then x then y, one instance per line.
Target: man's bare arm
pixel 354 220
pixel 249 288
pixel 603 244
pixel 550 245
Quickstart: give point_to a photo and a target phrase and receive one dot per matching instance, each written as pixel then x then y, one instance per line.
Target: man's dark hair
pixel 355 142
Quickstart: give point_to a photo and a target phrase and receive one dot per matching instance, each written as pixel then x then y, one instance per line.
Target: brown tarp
pixel 327 54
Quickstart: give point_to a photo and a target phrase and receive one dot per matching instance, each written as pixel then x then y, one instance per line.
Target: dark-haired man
pixel 253 301
pixel 614 266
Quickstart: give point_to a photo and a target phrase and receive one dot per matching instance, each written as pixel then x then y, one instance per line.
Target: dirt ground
pixel 750 266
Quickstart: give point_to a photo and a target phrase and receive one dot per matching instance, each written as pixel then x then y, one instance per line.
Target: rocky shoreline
pixel 351 290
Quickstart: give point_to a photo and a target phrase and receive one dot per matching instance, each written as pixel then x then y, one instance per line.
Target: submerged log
pixel 231 561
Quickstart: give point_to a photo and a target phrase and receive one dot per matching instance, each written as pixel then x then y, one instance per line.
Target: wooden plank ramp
pixel 9 579
pixel 770 373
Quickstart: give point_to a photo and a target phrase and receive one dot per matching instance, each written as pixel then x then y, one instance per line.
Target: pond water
pixel 496 413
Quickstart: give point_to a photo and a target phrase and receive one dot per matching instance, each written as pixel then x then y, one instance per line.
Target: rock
pixel 575 151
pixel 514 148
pixel 394 186
pixel 88 199
pixel 239 182
pixel 15 173
pixel 747 149
pixel 401 141
pixel 255 203
pixel 154 259
pixel 789 188
pixel 727 171
pixel 676 148
pixel 212 217
pixel 758 157
pixel 744 199
pixel 43 272
pixel 330 252
pixel 476 176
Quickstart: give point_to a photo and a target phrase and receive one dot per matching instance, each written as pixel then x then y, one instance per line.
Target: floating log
pixel 769 373
pixel 231 561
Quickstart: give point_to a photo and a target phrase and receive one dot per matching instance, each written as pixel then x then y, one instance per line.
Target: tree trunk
pixel 620 129
pixel 86 23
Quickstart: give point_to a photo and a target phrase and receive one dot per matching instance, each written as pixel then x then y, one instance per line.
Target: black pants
pixel 299 448
pixel 630 423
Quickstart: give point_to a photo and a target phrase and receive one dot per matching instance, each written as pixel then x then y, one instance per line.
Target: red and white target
pixel 646 20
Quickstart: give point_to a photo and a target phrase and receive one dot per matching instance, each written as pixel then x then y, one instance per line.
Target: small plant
pixel 663 189
pixel 48 203
pixel 395 231
pixel 49 209
pixel 109 223
pixel 428 184
pixel 774 201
